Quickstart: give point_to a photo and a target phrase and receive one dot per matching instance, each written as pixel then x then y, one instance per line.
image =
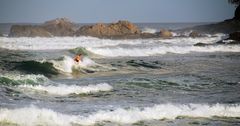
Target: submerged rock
pixel 201 44
pixel 113 30
pixel 28 31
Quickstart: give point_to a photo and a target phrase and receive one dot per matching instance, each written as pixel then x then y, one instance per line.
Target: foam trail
pixel 37 116
pixel 69 89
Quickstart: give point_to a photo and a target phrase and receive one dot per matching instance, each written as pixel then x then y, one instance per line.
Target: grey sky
pixel 85 11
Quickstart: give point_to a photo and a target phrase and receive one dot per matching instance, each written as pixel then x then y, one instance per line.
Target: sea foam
pixel 114 48
pixel 63 89
pixel 18 79
pixel 41 116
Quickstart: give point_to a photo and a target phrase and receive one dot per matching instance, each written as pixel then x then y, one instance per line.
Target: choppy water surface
pixel 120 82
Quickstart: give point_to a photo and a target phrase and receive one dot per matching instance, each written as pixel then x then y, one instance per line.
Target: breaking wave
pixel 150 51
pixel 111 48
pixel 40 116
pixel 62 89
pixel 149 30
pixel 64 64
pixel 17 79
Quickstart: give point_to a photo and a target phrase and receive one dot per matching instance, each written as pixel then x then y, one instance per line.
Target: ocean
pixel 132 82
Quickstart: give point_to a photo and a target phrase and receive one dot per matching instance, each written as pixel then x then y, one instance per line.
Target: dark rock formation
pixel 113 30
pixel 227 26
pixel 165 33
pixel 237 13
pixel 1 35
pixel 28 31
pixel 234 38
pixel 57 27
pixel 201 44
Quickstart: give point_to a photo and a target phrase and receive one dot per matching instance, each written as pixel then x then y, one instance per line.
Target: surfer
pixel 78 58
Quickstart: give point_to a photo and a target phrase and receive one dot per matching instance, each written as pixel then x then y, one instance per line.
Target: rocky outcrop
pixel 1 35
pixel 165 33
pixel 237 13
pixel 234 38
pixel 227 27
pixel 57 27
pixel 28 31
pixel 113 30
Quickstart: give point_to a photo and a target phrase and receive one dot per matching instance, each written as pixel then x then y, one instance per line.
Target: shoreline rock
pixel 56 27
pixel 234 38
pixel 120 29
pixel 227 27
pixel 63 27
pixel 166 34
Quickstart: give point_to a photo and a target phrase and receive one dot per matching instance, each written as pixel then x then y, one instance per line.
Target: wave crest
pixel 69 89
pixel 18 79
pixel 36 116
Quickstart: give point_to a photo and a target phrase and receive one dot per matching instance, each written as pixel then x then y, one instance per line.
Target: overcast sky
pixel 90 11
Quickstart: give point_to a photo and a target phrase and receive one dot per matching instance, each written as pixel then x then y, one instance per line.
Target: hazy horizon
pixel 138 11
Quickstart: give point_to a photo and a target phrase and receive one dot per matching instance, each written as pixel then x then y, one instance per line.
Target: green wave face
pixel 14 80
pixel 35 67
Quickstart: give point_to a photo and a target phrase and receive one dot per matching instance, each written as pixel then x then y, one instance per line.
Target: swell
pixel 40 116
pixel 39 83
pixel 36 67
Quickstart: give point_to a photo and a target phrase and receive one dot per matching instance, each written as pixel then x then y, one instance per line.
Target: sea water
pixel 119 82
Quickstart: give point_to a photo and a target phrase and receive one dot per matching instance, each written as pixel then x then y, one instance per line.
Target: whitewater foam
pixel 53 43
pixel 67 64
pixel 62 89
pixel 149 30
pixel 113 48
pixel 40 116
pixel 150 51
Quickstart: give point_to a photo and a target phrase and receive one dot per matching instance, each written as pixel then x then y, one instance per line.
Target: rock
pixel 201 44
pixel 113 30
pixel 237 13
pixel 234 36
pixel 28 31
pixel 194 34
pixel 59 27
pixel 1 35
pixel 227 26
pixel 165 33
